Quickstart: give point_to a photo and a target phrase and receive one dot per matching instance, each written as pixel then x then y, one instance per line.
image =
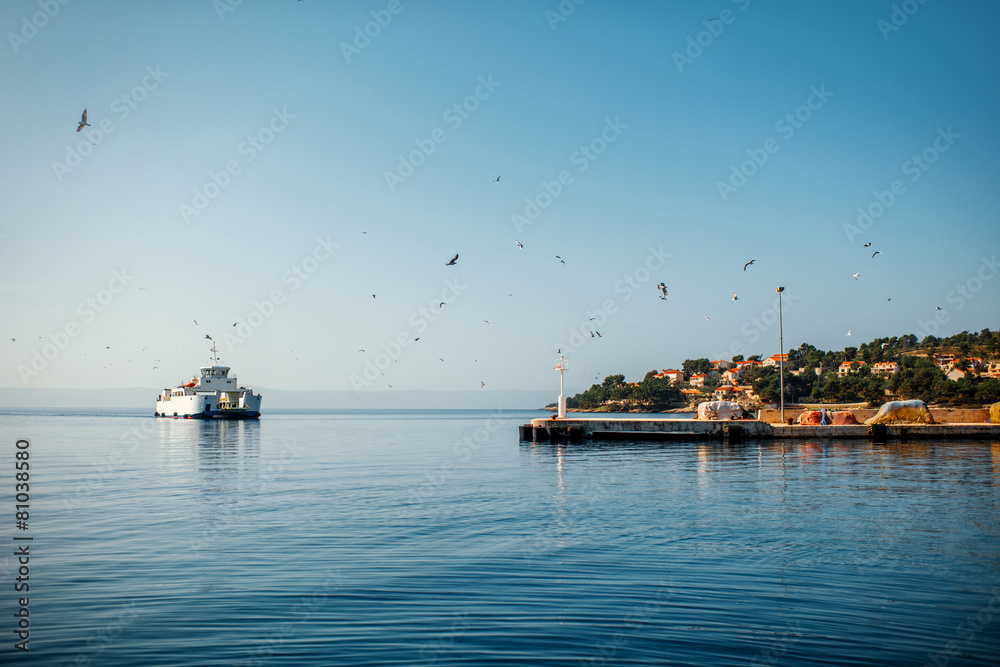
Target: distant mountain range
pixel 140 397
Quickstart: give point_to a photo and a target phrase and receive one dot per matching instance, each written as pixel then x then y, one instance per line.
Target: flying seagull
pixel 706 317
pixel 196 321
pixel 481 384
pixel 519 245
pixel 83 121
pixel 856 275
pixel 453 260
pixel 736 297
pixel 497 179
pixel 877 252
pixel 561 260
pixel 663 288
pixel 883 345
pixel 868 245
pixel 748 264
pixel 848 332
pixel 488 321
pixel 937 307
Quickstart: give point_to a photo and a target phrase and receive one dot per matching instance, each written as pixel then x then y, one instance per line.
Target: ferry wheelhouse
pixel 213 395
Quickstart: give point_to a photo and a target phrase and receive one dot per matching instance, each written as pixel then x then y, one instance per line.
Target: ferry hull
pixel 222 414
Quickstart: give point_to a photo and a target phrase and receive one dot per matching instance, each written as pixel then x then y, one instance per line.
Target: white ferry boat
pixel 214 395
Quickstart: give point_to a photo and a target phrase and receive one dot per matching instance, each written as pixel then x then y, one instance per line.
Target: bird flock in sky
pixel 661 287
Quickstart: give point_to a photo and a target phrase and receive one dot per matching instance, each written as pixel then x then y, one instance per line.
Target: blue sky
pixel 360 166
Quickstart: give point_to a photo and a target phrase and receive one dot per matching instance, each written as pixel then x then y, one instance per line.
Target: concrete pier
pixel 734 430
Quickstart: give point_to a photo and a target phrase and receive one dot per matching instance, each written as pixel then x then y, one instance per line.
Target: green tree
pixel 693 366
pixel 613 380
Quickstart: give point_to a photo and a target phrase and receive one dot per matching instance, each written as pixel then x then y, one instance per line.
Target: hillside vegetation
pixel 918 377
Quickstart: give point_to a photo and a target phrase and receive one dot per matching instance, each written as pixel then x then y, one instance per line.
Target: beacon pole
pixel 561 366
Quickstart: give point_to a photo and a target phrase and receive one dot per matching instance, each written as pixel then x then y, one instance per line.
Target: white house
pixel 775 358
pixel 671 374
pixel 845 367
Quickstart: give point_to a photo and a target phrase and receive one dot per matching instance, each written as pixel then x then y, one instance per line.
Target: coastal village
pixel 963 370
pixel 728 373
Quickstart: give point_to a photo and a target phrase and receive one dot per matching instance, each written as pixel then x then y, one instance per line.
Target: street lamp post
pixel 781 357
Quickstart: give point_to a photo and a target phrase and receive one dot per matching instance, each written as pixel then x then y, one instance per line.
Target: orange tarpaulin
pixel 844 418
pixel 811 418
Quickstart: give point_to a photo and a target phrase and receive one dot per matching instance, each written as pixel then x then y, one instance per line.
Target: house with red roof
pixel 845 367
pixel 671 374
pixel 774 360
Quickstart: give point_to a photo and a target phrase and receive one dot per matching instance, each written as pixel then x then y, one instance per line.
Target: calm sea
pixel 436 538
